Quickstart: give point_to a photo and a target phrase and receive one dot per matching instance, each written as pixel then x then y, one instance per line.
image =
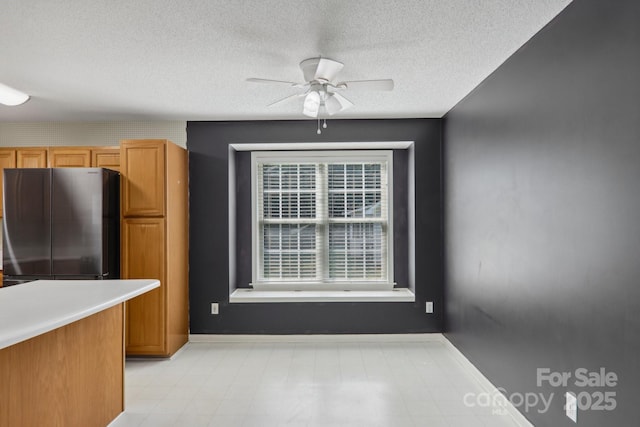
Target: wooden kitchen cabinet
pixel 106 157
pixel 143 256
pixel 32 157
pixel 155 244
pixel 85 157
pixel 20 157
pixel 56 157
pixel 69 157
pixel 143 163
pixel 7 160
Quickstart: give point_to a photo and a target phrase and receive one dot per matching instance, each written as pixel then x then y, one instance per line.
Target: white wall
pixel 89 133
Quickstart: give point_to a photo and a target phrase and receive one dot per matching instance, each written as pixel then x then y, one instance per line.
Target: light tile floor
pixel 324 384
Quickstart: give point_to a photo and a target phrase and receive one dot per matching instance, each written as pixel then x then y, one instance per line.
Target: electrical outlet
pixel 214 308
pixel 571 406
pixel 429 307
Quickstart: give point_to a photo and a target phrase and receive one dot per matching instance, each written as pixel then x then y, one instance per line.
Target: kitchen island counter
pixel 37 307
pixel 62 351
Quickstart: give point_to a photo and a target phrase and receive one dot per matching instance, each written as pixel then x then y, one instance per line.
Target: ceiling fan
pixel 321 94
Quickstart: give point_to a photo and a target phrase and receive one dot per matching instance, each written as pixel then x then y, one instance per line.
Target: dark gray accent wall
pixel 542 206
pixel 208 145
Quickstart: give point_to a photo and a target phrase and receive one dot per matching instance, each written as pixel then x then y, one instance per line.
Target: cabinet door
pixel 69 157
pixel 143 257
pixel 106 157
pixel 143 177
pixel 7 160
pixel 31 157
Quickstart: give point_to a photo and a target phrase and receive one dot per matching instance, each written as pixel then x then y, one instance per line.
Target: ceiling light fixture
pixel 319 100
pixel 312 104
pixel 12 97
pixel 320 92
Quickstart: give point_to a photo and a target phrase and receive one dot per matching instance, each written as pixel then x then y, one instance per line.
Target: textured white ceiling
pixel 188 60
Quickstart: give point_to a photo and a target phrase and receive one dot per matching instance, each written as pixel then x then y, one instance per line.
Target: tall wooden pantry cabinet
pixel 154 203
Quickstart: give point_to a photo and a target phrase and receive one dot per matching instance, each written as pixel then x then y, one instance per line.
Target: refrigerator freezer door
pixel 27 222
pixel 77 217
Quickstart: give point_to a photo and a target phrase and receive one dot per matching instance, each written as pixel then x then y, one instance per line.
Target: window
pixel 322 220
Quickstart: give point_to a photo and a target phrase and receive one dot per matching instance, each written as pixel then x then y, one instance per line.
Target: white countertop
pixel 34 308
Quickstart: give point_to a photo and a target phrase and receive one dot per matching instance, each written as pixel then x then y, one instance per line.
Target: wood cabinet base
pixel 71 376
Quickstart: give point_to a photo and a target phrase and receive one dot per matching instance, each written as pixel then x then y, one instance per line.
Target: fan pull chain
pixel 324 125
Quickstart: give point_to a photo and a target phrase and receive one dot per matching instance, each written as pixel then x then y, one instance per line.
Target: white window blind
pixel 322 219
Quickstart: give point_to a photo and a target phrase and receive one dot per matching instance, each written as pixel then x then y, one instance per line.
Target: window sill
pixel 253 296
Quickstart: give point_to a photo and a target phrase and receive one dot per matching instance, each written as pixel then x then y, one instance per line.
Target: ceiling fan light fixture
pixel 311 104
pixel 12 97
pixel 321 97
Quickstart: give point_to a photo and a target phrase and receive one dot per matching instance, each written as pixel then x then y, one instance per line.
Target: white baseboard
pixel 203 338
pixel 487 385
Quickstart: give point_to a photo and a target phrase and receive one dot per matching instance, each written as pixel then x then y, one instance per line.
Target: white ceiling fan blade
pixel 327 69
pixel 257 80
pixel 311 104
pixel 383 84
pixel 336 103
pixel 285 99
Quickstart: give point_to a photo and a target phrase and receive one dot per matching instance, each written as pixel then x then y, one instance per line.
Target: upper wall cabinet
pixel 32 157
pixel 85 157
pixel 143 183
pixel 106 157
pixel 7 160
pixel 58 157
pixel 69 157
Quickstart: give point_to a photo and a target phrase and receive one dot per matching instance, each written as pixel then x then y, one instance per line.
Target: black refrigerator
pixel 61 223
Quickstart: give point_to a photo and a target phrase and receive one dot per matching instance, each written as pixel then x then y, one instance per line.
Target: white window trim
pixel 254 296
pixel 322 157
pixel 235 290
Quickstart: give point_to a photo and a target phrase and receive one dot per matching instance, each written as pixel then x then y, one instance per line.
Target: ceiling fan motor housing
pixel 320 69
